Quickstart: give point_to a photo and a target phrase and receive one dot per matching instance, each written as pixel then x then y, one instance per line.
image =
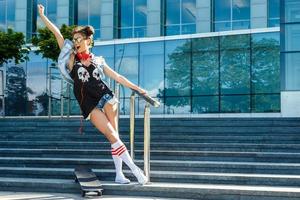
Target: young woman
pixel 96 100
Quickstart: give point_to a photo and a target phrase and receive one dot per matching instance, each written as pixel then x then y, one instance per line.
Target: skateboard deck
pixel 88 181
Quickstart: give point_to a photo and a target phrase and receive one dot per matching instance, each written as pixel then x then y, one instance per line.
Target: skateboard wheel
pixel 99 193
pixel 83 193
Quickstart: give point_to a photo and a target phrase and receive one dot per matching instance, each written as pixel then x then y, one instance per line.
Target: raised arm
pixel 121 79
pixel 51 26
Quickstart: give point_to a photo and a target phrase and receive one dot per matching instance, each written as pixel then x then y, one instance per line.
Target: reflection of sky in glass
pixel 11 14
pixel 256 38
pixel 172 10
pixel 95 7
pixel 50 11
pixel 274 7
pixel 129 63
pixel 140 16
pixel 2 16
pixel 126 13
pixel 188 11
pixel 82 13
pixel 152 67
pixel 292 10
pixel 36 75
pixel 176 46
pixel 241 9
pixel 133 18
pixel 222 10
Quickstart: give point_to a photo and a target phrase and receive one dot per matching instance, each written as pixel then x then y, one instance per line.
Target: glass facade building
pixel 194 56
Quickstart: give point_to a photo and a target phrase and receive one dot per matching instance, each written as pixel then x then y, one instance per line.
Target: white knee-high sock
pixel 120 150
pixel 118 163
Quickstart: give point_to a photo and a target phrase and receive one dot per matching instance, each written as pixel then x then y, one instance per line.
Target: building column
pixel 107 20
pixel 203 16
pixel 154 18
pixel 290 62
pixel 259 13
pixel 63 10
pixel 21 16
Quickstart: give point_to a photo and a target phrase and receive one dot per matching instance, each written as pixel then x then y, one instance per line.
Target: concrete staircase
pixel 191 158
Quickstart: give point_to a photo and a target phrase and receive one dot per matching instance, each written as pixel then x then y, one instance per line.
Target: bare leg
pixel 110 111
pixel 100 121
pixel 119 150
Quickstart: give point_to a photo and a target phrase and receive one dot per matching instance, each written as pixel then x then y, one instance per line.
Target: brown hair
pixel 86 31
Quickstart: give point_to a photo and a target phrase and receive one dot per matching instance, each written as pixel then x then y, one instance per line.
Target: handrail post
pixel 117 93
pixel 147 141
pixel 69 99
pixel 2 94
pixel 62 99
pixel 132 119
pixel 49 95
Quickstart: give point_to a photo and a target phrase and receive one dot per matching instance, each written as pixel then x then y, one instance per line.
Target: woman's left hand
pixel 142 91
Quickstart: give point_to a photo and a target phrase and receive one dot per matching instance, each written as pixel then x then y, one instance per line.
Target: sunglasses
pixel 77 40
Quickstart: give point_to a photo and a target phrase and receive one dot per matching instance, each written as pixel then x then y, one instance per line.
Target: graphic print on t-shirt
pixel 83 74
pixel 96 74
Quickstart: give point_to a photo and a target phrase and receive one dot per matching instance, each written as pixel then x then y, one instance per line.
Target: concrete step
pixel 160 138
pixel 168 190
pixel 236 122
pixel 158 155
pixel 175 129
pixel 158 165
pixel 141 133
pixel 160 176
pixel 244 147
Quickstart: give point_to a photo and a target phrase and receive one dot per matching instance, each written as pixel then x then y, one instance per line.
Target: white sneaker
pixel 120 178
pixel 142 179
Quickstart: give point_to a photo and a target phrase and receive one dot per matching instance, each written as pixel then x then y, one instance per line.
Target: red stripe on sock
pixel 122 152
pixel 117 149
pixel 117 152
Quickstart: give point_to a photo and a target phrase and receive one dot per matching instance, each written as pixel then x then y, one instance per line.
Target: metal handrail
pixel 149 101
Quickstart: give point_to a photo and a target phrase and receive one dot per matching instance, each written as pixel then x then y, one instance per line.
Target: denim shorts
pixel 107 98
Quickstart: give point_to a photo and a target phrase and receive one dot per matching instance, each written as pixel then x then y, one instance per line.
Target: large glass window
pixel 231 14
pixel 292 71
pixel 2 15
pixel 152 71
pixel 205 75
pixel 265 81
pixel 16 92
pixel 180 17
pixel 89 14
pixel 37 103
pixel 178 75
pixel 11 7
pixel 292 37
pixel 292 10
pixel 7 14
pixel 273 13
pixel 235 73
pixel 107 51
pixel 50 11
pixel 132 18
pixel 127 64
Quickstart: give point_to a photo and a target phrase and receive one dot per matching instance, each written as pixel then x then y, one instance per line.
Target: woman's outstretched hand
pixel 142 91
pixel 41 9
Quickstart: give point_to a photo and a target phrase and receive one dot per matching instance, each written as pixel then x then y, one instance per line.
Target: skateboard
pixel 88 181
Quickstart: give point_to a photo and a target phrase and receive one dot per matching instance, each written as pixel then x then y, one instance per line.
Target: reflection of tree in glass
pixel 266 75
pixel 235 73
pixel 16 91
pixel 40 105
pixel 266 70
pixel 177 75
